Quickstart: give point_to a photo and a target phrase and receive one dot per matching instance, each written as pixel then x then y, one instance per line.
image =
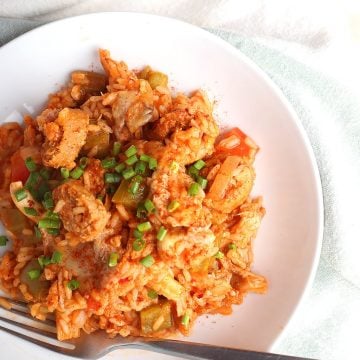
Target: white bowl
pixel 287 247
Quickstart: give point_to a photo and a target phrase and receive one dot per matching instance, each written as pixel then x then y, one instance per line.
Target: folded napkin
pixel 309 57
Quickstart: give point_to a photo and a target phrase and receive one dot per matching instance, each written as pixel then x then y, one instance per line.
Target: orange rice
pixel 126 210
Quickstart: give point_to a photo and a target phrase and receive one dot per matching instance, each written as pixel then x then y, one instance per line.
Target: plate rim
pixel 253 66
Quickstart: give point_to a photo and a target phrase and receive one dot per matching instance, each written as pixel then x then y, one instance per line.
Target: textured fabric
pixel 311 50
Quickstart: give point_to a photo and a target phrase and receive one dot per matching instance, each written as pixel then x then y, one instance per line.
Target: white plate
pixel 288 244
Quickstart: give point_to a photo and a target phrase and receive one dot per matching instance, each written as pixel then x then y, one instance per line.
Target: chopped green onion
pixel 108 163
pixel 132 150
pixel 185 319
pixel 34 274
pixel 42 189
pixel 128 173
pixel 145 158
pixel 145 226
pixel 219 255
pixel 194 189
pixel 44 173
pixel 56 257
pixel 20 194
pixel 48 201
pixel 48 223
pixel 33 179
pixel 173 205
pixel 119 168
pixel 51 215
pixel 193 171
pixel 138 234
pixel 152 164
pixel 161 233
pixel 202 182
pixel 199 164
pixel 138 244
pixel 30 211
pixel 112 178
pixel 76 173
pixel 113 259
pixel 141 212
pixel 147 261
pixel 44 261
pixel 3 240
pixel 232 246
pixel 149 206
pixel 131 160
pixel 135 184
pixel 65 173
pixel 152 294
pixel 83 162
pixel 30 164
pixel 140 167
pixel 37 232
pixel 53 232
pixel 73 284
pixel 116 148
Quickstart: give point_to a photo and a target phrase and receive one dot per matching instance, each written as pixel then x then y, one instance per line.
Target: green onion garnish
pixel 42 189
pixel 44 173
pixel 219 255
pixel 51 215
pixel 193 171
pixel 30 211
pixel 56 257
pixel 44 261
pixel 108 163
pixel 113 259
pixel 48 223
pixel 83 162
pixel 152 294
pixel 134 186
pixel 145 158
pixel 30 164
pixel 112 178
pixel 116 148
pixel 185 320
pixel 161 233
pixel 152 164
pixel 53 232
pixel 76 173
pixel 3 240
pixel 145 226
pixel 173 205
pixel 132 150
pixel 138 234
pixel 73 284
pixel 37 232
pixel 202 182
pixel 149 206
pixel 140 167
pixel 147 261
pixel 128 173
pixel 141 212
pixel 34 274
pixel 194 189
pixel 119 168
pixel 131 160
pixel 20 194
pixel 65 173
pixel 138 244
pixel 33 179
pixel 48 201
pixel 232 246
pixel 199 164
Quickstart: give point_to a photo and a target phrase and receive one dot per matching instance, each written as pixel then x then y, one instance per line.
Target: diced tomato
pixel 92 304
pixel 235 142
pixel 123 281
pixel 19 171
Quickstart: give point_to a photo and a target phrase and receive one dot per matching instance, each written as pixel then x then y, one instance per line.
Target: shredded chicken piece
pixel 88 224
pixel 64 138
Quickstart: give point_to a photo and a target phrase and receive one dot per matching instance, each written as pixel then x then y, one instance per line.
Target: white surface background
pixel 311 49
